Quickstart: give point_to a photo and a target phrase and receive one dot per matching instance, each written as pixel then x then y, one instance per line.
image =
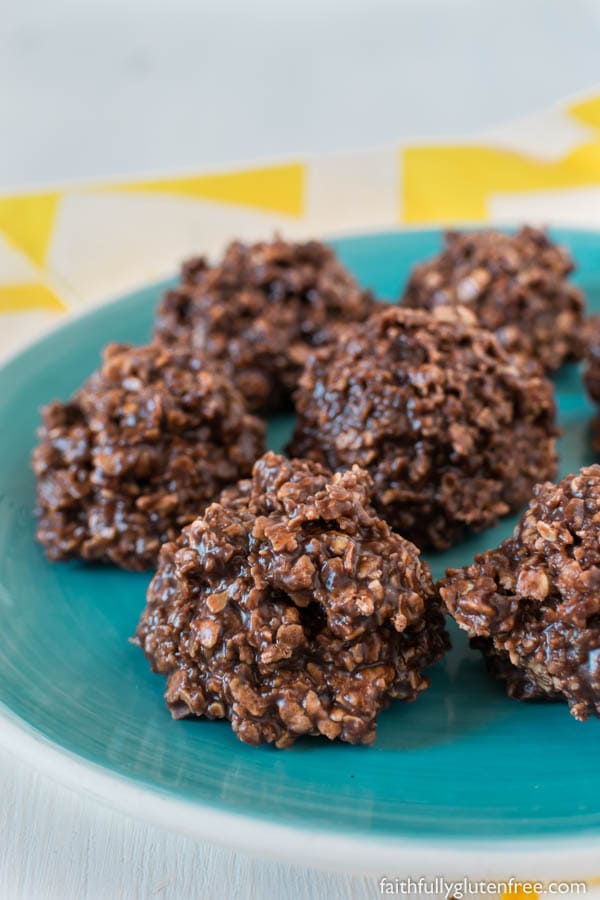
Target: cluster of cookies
pixel 290 596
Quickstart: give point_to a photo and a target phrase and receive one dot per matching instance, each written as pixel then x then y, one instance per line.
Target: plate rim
pixel 553 857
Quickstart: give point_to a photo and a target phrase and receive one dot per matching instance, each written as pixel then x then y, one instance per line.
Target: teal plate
pixel 463 764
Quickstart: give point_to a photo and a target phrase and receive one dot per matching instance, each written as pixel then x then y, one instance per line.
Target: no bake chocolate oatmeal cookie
pixel 517 285
pixel 453 432
pixel 532 606
pixel 260 311
pixel 290 608
pixel 136 454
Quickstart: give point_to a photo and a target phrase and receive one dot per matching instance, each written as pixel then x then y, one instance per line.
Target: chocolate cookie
pixel 259 312
pixel 290 608
pixel 533 605
pixel 453 432
pixel 517 286
pixel 136 454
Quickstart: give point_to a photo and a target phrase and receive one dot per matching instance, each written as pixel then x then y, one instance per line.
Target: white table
pixel 117 87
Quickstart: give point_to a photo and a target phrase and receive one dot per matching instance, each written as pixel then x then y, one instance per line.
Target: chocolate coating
pixel 260 311
pixel 533 605
pixel 290 608
pixel 136 454
pixel 452 431
pixel 516 285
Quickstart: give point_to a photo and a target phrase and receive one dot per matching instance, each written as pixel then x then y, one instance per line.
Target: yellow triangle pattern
pixel 25 297
pixel 273 189
pixel 587 111
pixel 454 183
pixel 27 223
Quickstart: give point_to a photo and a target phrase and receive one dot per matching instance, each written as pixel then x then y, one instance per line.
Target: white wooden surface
pixel 56 845
pixel 127 86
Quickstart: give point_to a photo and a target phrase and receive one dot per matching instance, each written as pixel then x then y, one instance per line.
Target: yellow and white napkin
pixel 75 245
